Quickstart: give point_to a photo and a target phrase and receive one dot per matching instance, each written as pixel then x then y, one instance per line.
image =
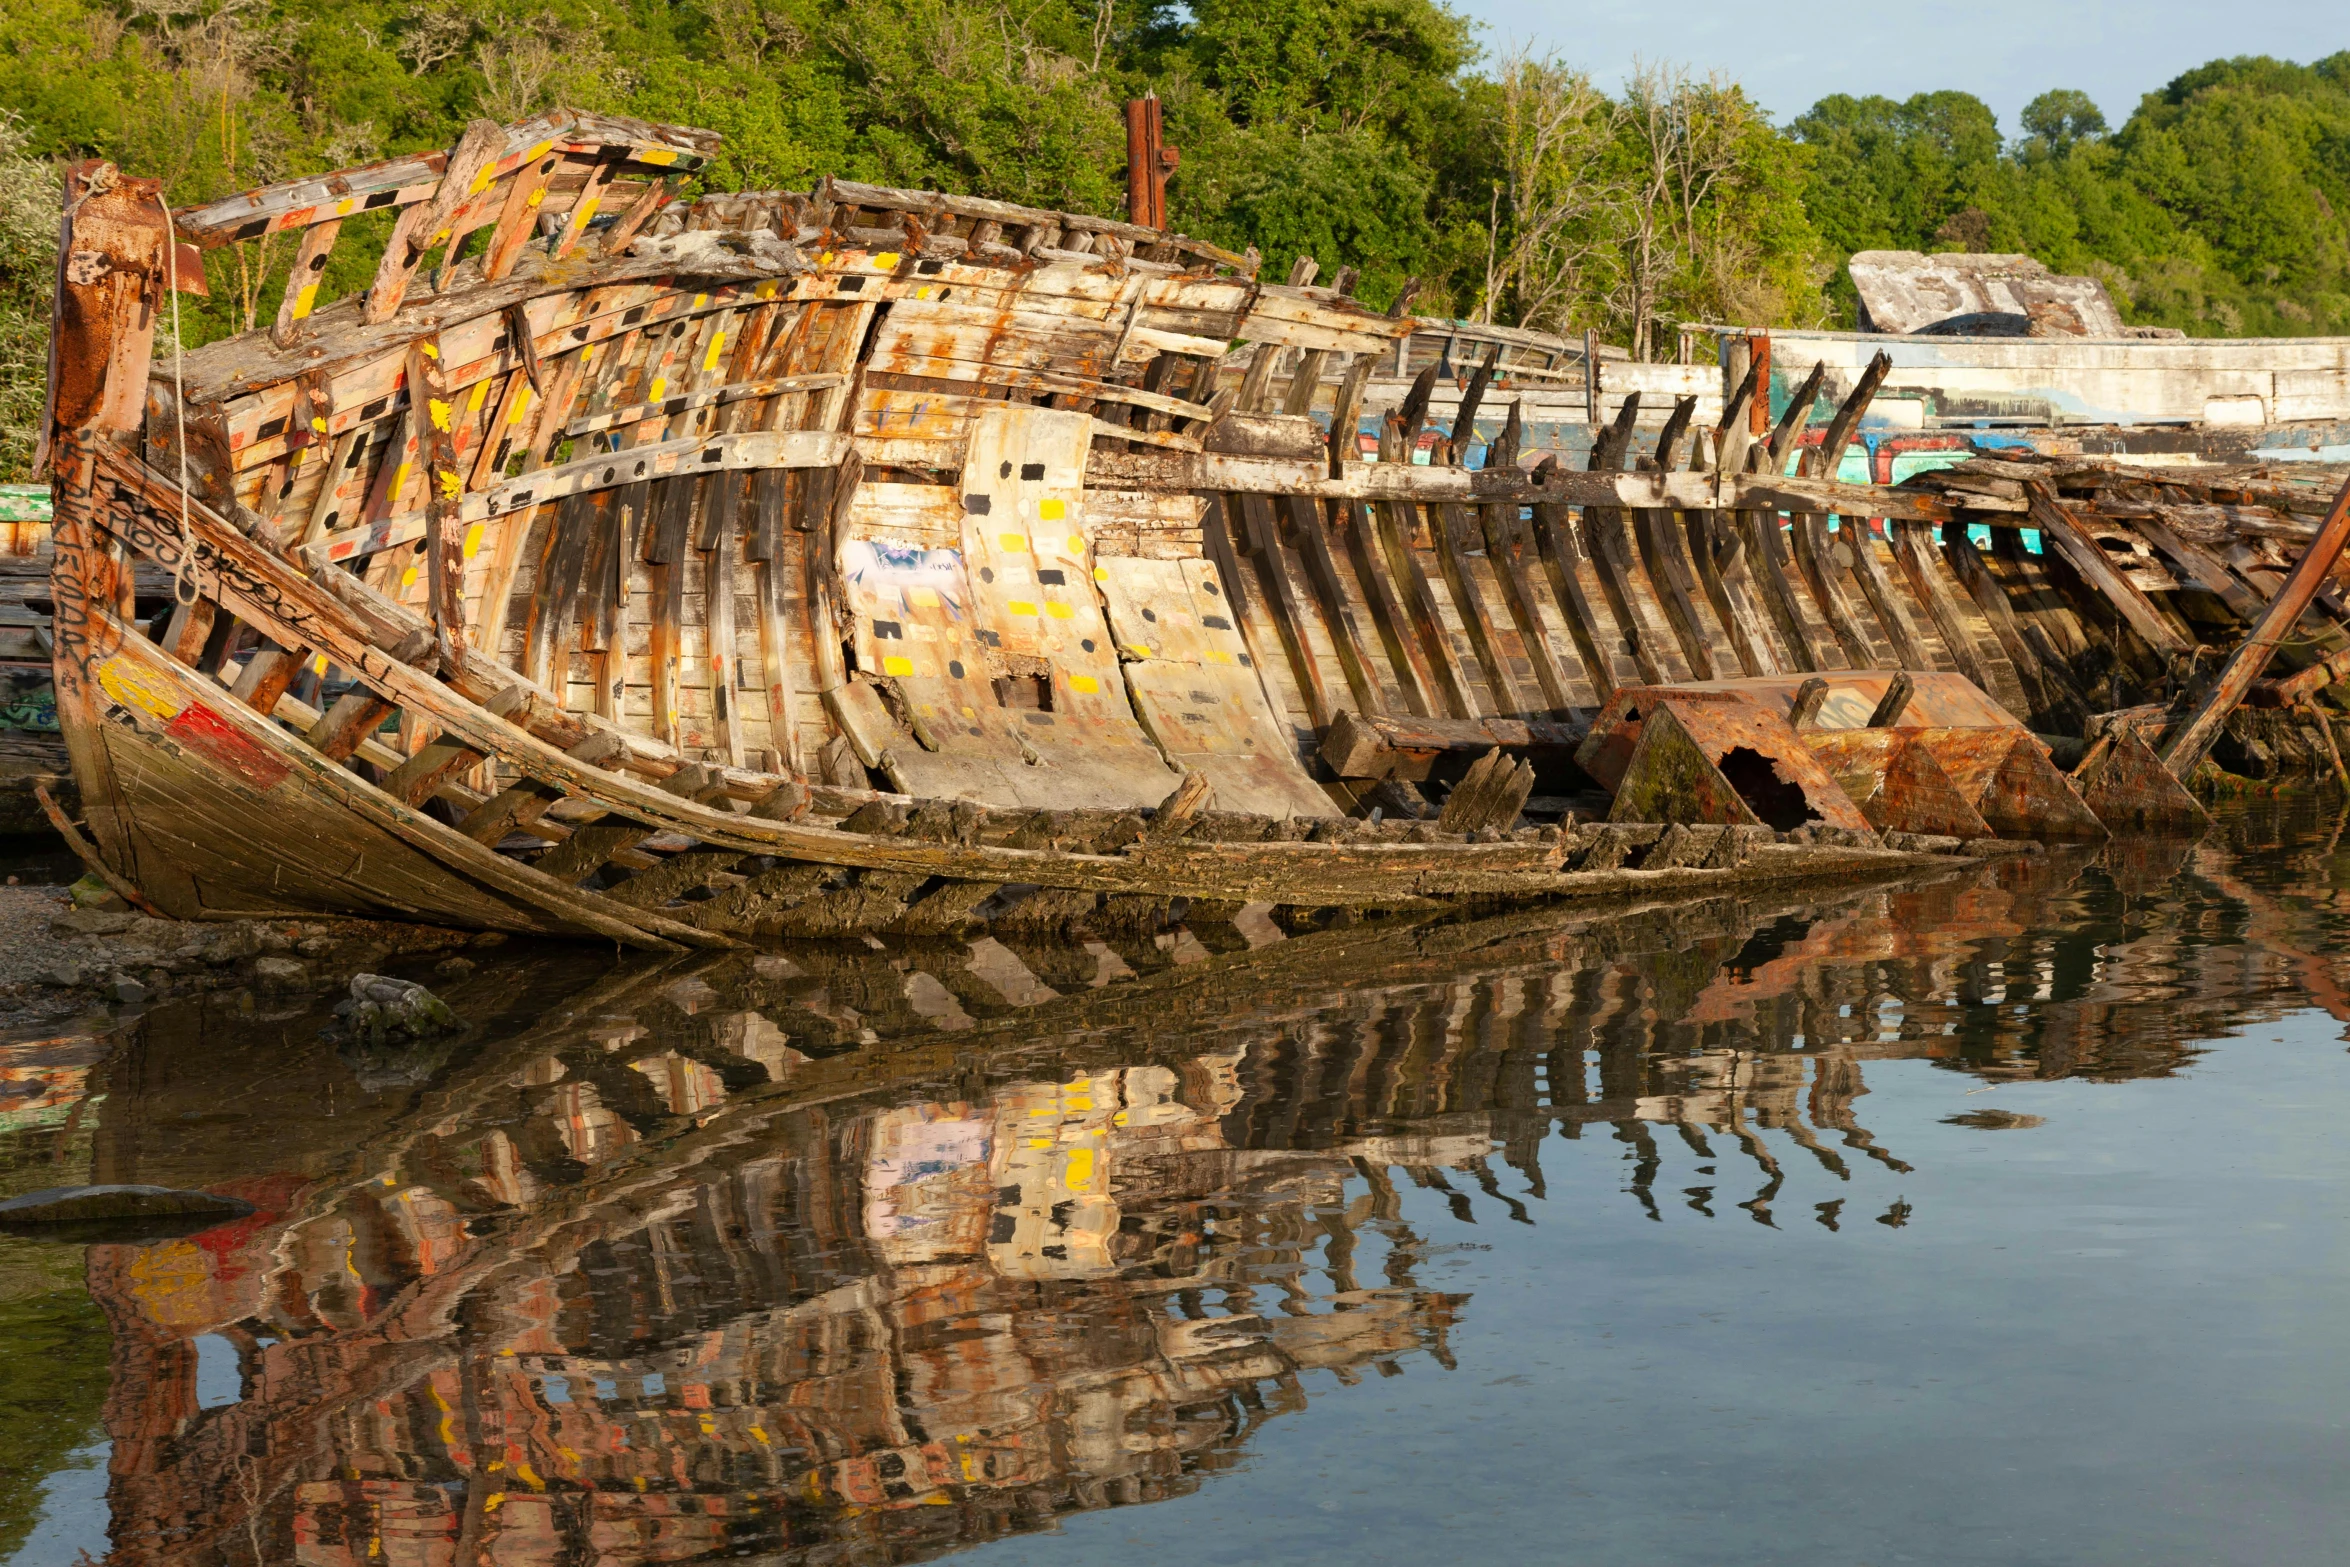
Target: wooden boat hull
pixel 874 560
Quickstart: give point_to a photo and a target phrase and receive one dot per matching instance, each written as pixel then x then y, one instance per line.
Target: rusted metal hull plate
pixel 2011 782
pixel 2130 790
pixel 1701 756
pixel 1897 783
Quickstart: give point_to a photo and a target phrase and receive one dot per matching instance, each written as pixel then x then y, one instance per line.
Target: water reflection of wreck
pixel 877 1253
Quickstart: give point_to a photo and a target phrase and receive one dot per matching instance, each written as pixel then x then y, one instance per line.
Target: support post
pixel 2243 667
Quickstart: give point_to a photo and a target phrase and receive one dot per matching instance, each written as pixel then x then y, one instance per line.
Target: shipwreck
pixel 681 571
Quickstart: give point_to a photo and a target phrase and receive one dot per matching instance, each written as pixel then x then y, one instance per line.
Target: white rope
pixel 183 587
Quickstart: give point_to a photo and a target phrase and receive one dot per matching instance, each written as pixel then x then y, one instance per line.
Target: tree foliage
pixel 2219 207
pixel 1365 133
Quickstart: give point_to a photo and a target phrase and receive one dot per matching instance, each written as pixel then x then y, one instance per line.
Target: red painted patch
pixel 210 736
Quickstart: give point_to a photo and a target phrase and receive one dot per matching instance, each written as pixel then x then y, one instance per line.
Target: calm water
pixel 2001 1219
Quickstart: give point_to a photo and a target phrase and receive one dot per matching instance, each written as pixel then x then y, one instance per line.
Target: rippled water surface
pixel 2003 1218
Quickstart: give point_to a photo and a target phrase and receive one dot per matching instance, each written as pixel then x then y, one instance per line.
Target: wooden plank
pixel 1287 603
pixel 1884 600
pixel 425 224
pixel 1406 660
pixel 432 413
pixel 2186 748
pixel 1450 525
pixel 2061 529
pixel 1338 613
pixel 518 219
pixel 1395 527
pixel 1968 638
pixel 1515 568
pixel 302 279
pixel 591 196
pixel 1815 559
pixel 2058 696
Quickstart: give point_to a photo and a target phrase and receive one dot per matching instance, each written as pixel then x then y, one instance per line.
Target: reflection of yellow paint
pixel 1076 546
pixel 1052 510
pixel 135 687
pixel 891 664
pixel 1080 1172
pixel 1084 683
pixel 1011 543
pixel 172 1283
pixel 1217 655
pixel 1021 607
pixel 1101 573
pixel 923 598
pixel 1059 610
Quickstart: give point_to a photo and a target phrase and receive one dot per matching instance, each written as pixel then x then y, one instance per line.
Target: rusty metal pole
pixel 1146 164
pixel 2186 748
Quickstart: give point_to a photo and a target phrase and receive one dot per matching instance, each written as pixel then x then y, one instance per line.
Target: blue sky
pixel 2005 52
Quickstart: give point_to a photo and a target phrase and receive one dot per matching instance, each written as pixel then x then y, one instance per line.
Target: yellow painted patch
pixel 1059 610
pixel 473 541
pixel 766 290
pixel 717 342
pixel 1138 650
pixel 1077 546
pixel 135 687
pixel 451 485
pixel 408 577
pixel 660 385
pixel 654 155
pixel 481 392
pixel 521 402
pixel 318 665
pixel 346 207
pixel 1217 655
pixel 437 409
pixel 481 181
pixel 304 299
pixel 318 426
pixel 888 258
pixel 1052 510
pixel 1101 573
pixel 1021 607
pixel 537 196
pixel 584 211
pixel 430 351
pixel 1084 683
pixel 891 664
